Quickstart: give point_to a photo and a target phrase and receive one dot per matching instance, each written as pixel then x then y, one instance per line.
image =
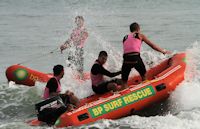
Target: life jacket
pixel 131 43
pixel 46 90
pixel 96 79
pixel 78 37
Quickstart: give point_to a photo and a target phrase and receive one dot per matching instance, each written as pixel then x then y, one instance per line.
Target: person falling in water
pixel 77 40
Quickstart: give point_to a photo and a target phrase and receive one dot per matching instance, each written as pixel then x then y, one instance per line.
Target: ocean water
pixel 31 29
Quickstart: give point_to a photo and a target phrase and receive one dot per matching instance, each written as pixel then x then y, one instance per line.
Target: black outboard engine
pixel 49 110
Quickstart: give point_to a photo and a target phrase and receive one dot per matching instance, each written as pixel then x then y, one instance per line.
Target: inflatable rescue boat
pixel 26 76
pixel 162 80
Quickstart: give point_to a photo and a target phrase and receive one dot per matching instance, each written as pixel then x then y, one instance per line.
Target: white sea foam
pixel 33 27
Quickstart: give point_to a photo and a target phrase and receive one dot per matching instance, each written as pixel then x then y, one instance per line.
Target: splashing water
pixel 183 103
pixel 186 97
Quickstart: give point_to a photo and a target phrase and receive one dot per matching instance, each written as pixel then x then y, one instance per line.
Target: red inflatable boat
pixel 162 80
pixel 26 76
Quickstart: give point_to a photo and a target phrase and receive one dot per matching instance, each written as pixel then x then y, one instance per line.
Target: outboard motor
pixel 49 110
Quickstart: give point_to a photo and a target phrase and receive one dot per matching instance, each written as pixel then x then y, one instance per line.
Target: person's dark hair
pixel 57 69
pixel 79 17
pixel 103 53
pixel 134 27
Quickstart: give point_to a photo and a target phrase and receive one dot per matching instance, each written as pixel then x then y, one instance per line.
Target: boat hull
pixel 26 76
pixel 162 80
pixel 135 98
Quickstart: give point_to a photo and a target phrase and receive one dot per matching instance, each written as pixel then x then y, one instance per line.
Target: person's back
pixel 128 42
pixel 53 87
pixel 131 57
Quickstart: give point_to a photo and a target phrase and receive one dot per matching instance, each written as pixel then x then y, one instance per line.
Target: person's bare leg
pixel 72 98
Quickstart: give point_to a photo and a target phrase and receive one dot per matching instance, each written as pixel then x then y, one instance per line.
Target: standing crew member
pixel 131 57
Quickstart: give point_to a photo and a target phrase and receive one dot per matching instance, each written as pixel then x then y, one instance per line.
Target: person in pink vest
pixel 53 88
pixel 99 84
pixel 131 57
pixel 77 40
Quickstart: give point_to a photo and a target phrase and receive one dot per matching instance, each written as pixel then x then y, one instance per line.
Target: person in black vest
pixel 99 84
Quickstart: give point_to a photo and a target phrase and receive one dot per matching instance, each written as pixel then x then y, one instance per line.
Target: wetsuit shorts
pixel 132 60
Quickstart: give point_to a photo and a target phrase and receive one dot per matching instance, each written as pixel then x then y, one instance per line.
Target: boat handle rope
pixel 40 56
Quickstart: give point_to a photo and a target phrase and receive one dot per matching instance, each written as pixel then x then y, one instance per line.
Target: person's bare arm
pixel 67 43
pixel 154 46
